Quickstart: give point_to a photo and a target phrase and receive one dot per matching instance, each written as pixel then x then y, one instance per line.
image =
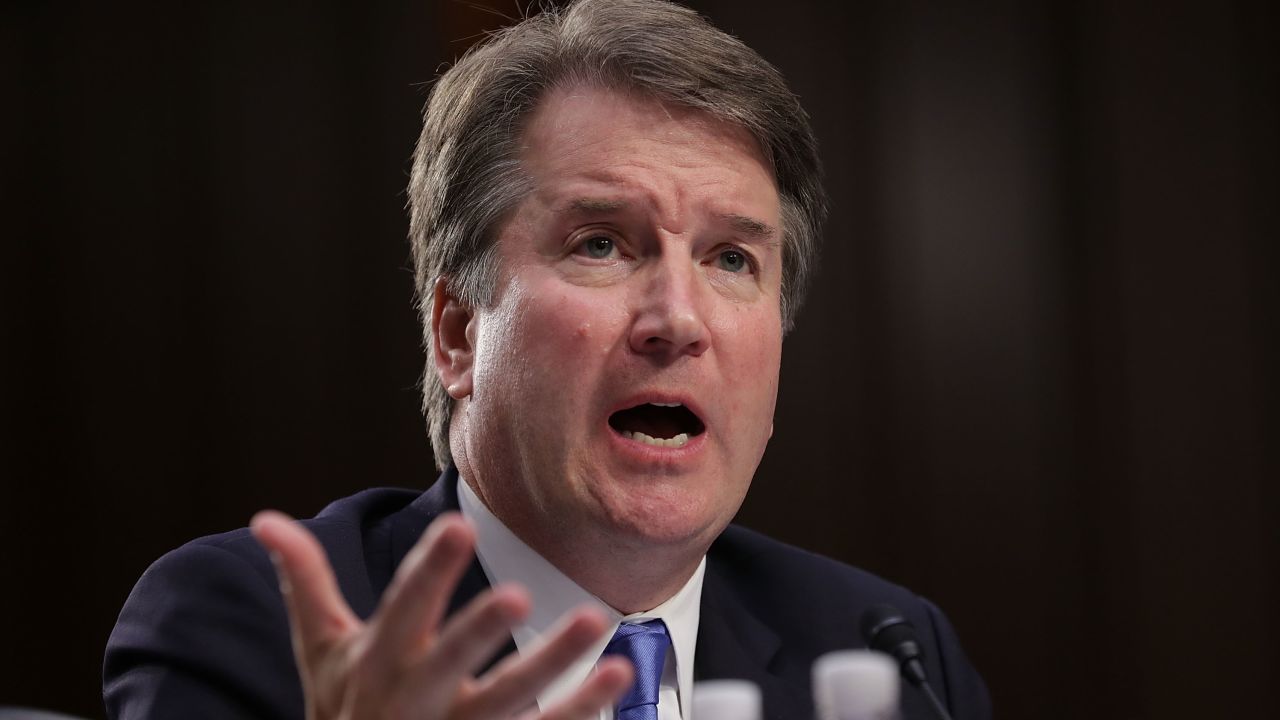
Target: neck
pixel 634 580
pixel 628 572
pixel 630 577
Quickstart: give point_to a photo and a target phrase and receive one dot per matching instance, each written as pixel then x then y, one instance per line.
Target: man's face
pixel 622 383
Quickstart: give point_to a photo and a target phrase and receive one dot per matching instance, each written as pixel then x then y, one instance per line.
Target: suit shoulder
pixel 203 627
pixel 747 556
pixel 206 627
pixel 815 601
pixel 342 527
pixel 814 604
pixel 232 570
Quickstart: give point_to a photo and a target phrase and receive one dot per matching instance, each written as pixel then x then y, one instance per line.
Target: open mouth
pixel 658 424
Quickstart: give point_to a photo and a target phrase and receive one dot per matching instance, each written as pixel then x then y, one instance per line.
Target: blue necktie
pixel 645 645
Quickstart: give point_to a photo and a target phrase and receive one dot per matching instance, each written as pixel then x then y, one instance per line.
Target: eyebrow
pixel 750 226
pixel 596 205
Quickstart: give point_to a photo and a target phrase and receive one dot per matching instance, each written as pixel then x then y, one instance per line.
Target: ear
pixel 452 340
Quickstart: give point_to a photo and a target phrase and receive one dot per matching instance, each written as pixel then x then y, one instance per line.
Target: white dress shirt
pixel 506 559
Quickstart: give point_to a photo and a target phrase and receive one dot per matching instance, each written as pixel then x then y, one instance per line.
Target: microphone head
pixel 726 700
pixel 878 618
pixel 885 629
pixel 855 685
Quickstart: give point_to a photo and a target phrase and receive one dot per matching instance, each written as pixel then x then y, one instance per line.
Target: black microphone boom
pixel 886 630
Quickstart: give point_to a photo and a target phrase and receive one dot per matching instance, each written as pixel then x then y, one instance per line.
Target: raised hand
pixel 405 662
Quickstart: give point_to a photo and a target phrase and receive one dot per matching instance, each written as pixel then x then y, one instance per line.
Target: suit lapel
pixel 407 527
pixel 733 644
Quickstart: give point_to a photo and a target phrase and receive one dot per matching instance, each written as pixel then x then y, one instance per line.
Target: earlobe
pixel 452 340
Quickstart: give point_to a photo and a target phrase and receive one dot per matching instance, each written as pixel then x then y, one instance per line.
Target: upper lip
pixel 660 396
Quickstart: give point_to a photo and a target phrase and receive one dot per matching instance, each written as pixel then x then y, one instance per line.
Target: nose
pixel 671 316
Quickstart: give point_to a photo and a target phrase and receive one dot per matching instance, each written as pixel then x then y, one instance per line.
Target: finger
pixel 472 636
pixel 419 593
pixel 318 613
pixel 517 680
pixel 602 690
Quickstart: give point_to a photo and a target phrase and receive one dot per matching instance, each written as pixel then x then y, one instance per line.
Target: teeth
pixel 666 404
pixel 676 442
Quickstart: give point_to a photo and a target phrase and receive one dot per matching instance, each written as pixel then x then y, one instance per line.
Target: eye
pixel 734 261
pixel 598 247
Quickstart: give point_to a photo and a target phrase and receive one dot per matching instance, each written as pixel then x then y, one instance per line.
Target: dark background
pixel 1034 380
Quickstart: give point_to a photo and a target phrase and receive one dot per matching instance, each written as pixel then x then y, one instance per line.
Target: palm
pixel 408 660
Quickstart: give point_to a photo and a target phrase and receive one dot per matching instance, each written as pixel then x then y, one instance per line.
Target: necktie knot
pixel 645 645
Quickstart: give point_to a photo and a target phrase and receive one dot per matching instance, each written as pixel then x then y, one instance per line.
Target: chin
pixel 662 519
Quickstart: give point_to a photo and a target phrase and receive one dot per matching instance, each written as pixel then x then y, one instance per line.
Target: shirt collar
pixel 507 559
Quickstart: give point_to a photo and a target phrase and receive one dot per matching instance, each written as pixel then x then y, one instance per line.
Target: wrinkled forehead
pixel 597 153
pixel 569 108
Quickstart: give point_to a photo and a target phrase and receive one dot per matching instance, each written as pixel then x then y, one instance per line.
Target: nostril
pixel 669 331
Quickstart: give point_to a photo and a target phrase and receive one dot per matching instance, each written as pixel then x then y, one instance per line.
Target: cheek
pixel 556 339
pixel 754 346
pixel 564 323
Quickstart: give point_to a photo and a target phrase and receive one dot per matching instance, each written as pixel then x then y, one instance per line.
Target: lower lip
pixel 653 454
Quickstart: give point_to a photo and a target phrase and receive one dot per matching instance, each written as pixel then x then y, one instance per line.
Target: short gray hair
pixel 467 177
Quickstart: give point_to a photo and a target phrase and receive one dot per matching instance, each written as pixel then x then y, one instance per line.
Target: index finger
pixel 415 601
pixel 318 613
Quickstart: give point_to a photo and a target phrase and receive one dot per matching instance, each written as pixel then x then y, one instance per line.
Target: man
pixel 614 208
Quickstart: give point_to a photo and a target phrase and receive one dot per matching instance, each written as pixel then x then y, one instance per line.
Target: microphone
pixel 726 700
pixel 855 685
pixel 886 630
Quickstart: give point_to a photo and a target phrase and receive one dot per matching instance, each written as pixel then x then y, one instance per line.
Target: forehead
pixel 577 107
pixel 591 134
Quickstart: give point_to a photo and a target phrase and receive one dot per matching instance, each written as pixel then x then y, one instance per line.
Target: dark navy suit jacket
pixel 205 635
